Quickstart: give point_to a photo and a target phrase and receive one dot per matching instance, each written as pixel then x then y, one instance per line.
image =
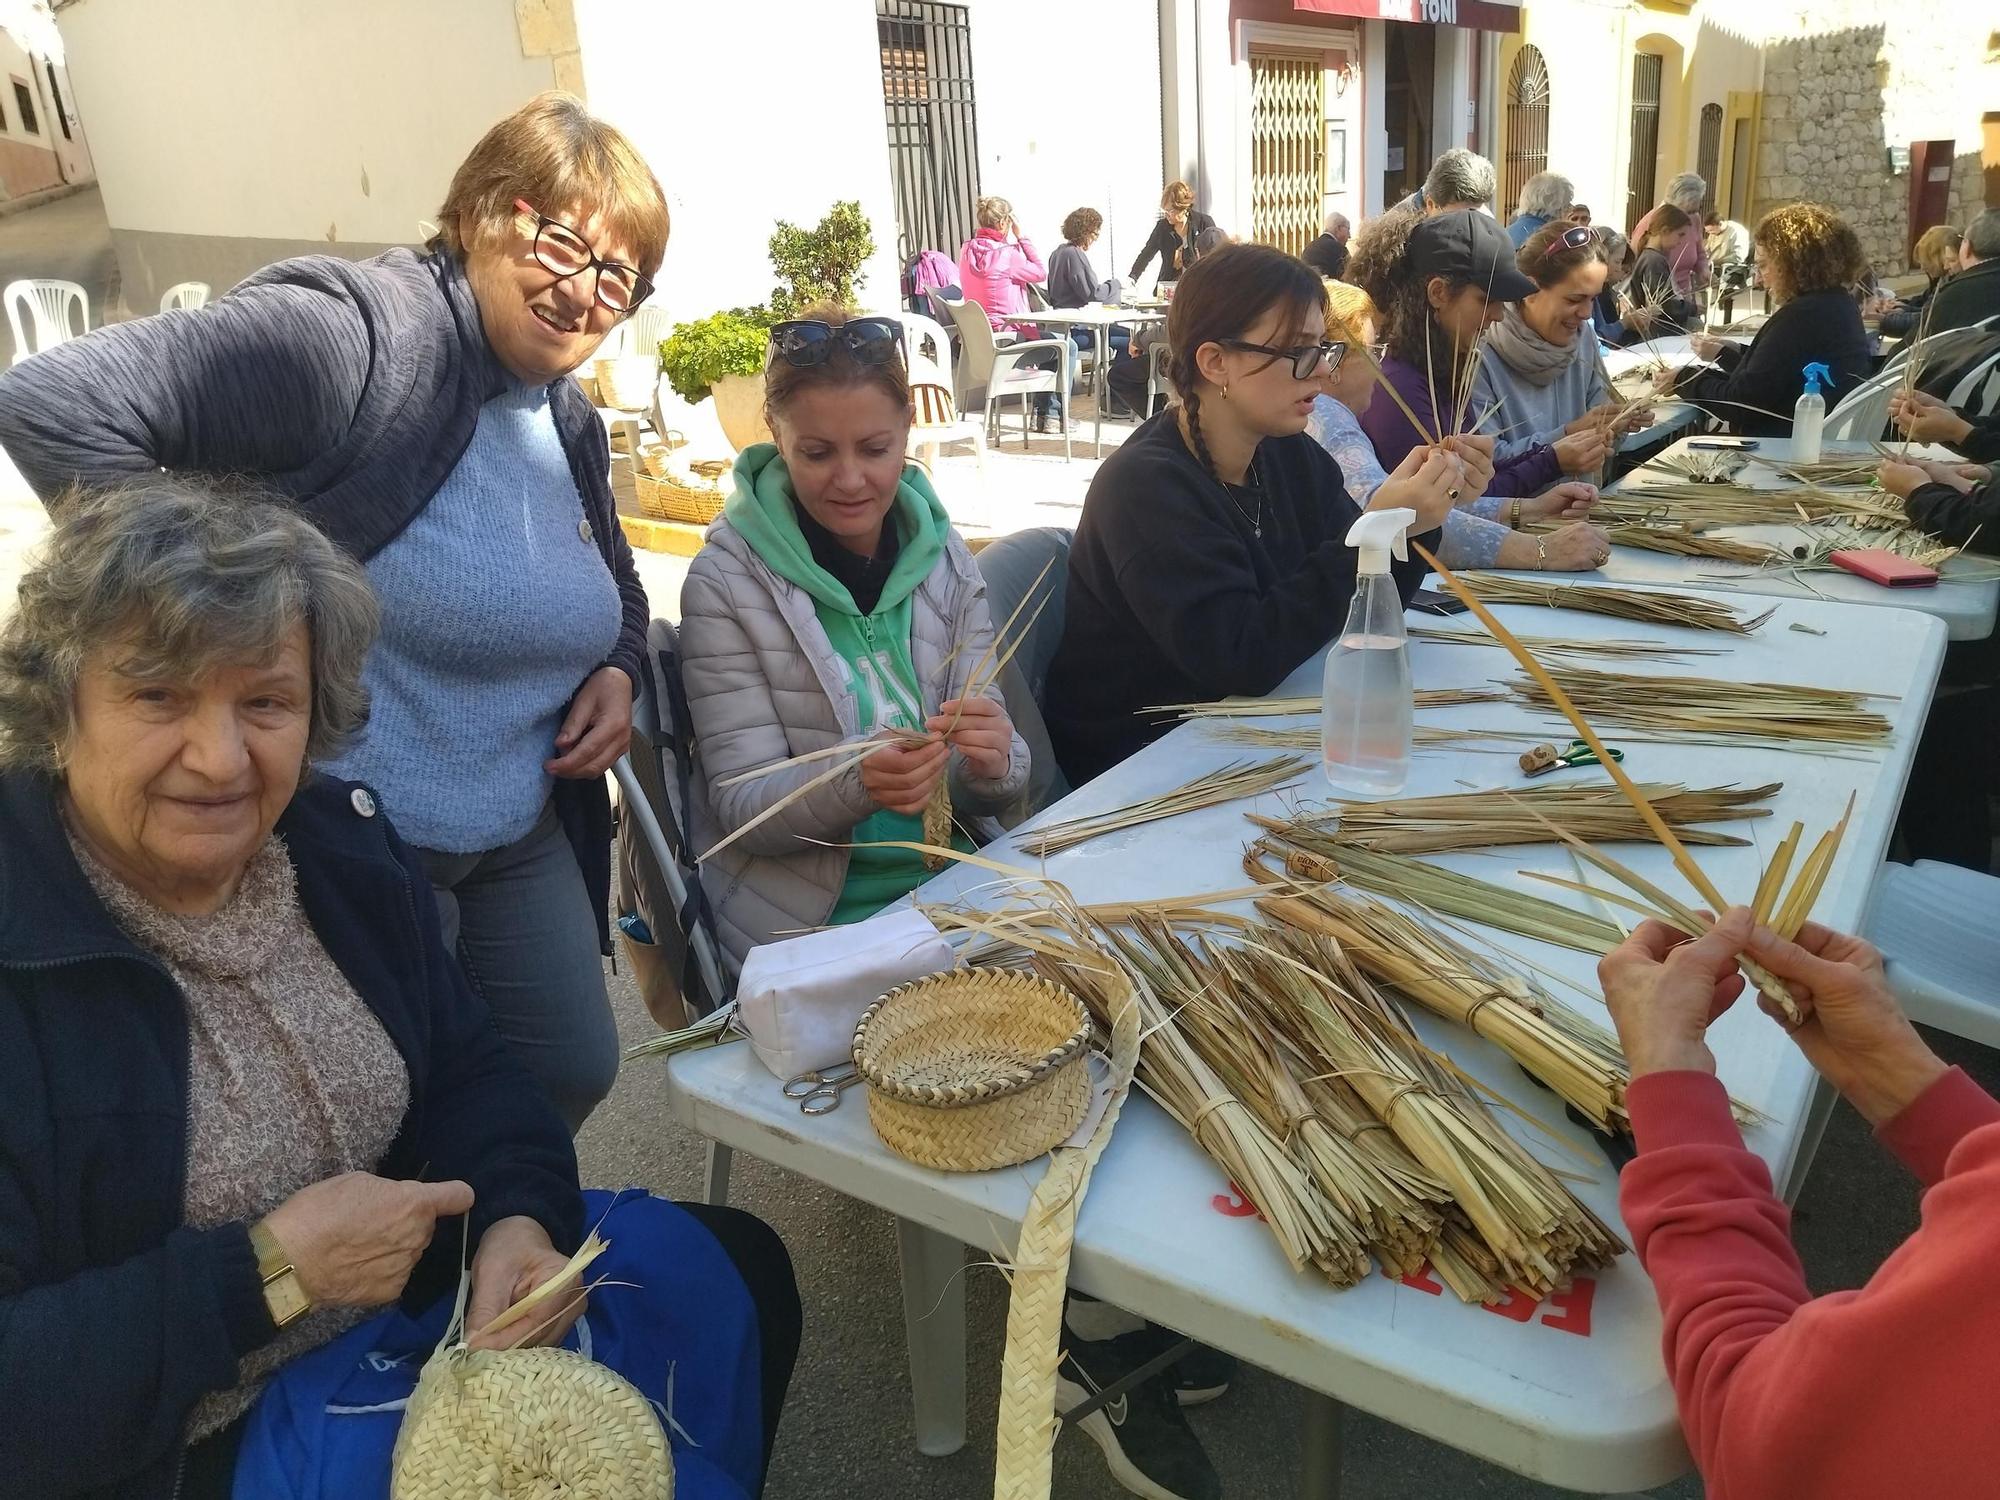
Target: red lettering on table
pixel 1516 1304
pixel 1234 1204
pixel 1423 1281
pixel 1574 1305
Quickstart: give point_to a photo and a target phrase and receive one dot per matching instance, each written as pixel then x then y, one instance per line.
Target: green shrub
pixel 696 355
pixel 821 264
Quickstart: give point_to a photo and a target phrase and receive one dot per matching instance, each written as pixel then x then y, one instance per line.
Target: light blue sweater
pixel 496 605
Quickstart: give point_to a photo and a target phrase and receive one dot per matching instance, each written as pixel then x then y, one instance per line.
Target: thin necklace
pixel 1256 477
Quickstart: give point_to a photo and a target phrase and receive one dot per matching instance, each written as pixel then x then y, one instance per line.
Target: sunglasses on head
pixel 1571 239
pixel 1306 359
pixel 810 341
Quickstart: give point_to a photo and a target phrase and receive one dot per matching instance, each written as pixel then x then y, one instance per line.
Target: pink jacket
pixel 1854 1395
pixel 992 272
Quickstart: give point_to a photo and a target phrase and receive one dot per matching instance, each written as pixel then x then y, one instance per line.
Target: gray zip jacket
pixel 765 684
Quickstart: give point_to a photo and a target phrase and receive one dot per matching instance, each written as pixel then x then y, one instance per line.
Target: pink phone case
pixel 1890 569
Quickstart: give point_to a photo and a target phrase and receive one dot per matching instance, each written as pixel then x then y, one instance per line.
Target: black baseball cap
pixel 1466 245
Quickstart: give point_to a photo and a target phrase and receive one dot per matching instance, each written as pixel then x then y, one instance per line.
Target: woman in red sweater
pixel 1854 1395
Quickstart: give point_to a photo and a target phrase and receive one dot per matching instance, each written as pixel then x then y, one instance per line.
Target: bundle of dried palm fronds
pixel 1548 645
pixel 1857 471
pixel 1653 607
pixel 1790 910
pixel 1256 708
pixel 1681 540
pixel 1703 507
pixel 1918 546
pixel 1698 468
pixel 1437 889
pixel 1705 706
pixel 1237 779
pixel 1591 811
pixel 1230 732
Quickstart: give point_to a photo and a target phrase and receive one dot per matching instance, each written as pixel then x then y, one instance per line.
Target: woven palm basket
pixel 528 1424
pixel 975 1068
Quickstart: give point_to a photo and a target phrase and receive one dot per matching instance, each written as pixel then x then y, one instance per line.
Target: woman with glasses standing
pixel 1211 558
pixel 417 408
pixel 834 604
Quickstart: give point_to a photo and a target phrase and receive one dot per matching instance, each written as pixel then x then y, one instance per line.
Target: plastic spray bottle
pixel 1810 415
pixel 1365 723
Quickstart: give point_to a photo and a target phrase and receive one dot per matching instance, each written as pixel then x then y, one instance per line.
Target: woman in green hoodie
pixel 833 603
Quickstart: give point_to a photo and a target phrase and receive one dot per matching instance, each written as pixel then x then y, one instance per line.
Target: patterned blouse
pixel 291 1078
pixel 1472 537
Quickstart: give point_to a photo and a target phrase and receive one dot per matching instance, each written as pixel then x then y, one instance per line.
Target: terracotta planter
pixel 739 406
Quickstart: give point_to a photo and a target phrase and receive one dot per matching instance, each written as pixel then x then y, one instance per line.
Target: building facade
pixel 41 135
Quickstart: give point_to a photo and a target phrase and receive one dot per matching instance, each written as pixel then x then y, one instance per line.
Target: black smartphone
pixel 1731 444
pixel 1431 602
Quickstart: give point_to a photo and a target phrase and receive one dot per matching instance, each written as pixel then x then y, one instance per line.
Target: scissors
pixel 1546 758
pixel 818 1092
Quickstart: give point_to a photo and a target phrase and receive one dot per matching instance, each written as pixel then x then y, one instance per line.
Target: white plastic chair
pixel 989 373
pixel 925 343
pixel 48 304
pixel 1863 412
pixel 1938 925
pixel 1979 391
pixel 936 422
pixel 184 294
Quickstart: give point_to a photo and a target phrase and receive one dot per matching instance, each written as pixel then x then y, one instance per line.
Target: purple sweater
pixel 1527 473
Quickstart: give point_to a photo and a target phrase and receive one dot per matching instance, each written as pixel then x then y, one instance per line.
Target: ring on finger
pixel 1452 493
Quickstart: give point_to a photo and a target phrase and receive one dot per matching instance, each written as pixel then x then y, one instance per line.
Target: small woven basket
pixel 528 1424
pixel 627 382
pixel 668 494
pixel 973 1069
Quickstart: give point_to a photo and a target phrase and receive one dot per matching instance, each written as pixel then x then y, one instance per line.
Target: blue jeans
pixel 519 919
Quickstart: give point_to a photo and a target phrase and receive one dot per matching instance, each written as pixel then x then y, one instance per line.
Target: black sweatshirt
pixel 1970 520
pixel 1165 241
pixel 1816 328
pixel 1174 598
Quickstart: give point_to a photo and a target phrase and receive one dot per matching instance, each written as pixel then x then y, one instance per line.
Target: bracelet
pixel 1514 513
pixel 1542 553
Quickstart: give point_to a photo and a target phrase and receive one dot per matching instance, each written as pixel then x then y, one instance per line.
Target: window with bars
pixel 1527 122
pixel 24 101
pixel 1647 69
pixel 928 106
pixel 1708 152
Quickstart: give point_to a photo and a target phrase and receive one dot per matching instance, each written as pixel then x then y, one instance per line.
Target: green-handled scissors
pixel 1580 754
pixel 819 1092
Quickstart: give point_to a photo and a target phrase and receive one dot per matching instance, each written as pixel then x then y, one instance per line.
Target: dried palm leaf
pixel 1653 607
pixel 1229 732
pixel 1237 779
pixel 1607 650
pixel 1698 468
pixel 1767 710
pixel 1592 811
pixel 1681 540
pixel 1251 708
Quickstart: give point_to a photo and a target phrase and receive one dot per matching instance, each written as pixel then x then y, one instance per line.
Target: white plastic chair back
pixel 48 305
pixel 1935 924
pixel 925 340
pixel 184 294
pixel 1940 343
pixel 1979 391
pixel 976 347
pixel 1864 411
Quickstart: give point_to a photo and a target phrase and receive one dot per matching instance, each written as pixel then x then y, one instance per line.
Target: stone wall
pixel 1842 83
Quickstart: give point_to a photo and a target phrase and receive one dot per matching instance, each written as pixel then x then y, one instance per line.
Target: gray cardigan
pixel 764 684
pixel 1533 416
pixel 348 387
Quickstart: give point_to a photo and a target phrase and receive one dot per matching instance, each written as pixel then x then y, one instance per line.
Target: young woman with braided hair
pixel 1211 558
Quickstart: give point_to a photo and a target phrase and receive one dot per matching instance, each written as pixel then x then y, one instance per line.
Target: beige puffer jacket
pixel 764 684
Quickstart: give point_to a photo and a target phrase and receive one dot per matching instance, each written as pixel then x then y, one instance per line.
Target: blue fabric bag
pixel 684 1332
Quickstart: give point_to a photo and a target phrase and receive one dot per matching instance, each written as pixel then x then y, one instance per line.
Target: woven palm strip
pixel 1026 1436
pixel 973 1069
pixel 938 824
pixel 527 1424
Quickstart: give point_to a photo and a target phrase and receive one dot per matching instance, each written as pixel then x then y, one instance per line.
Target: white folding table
pixel 1571 1391
pixel 1099 319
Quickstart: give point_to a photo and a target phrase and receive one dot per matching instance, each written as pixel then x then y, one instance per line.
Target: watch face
pixel 286 1299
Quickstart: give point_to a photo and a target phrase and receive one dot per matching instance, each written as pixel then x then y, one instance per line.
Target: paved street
pixel 66 240
pixel 847 1427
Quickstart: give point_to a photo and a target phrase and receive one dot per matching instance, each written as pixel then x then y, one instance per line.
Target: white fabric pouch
pixel 799 1001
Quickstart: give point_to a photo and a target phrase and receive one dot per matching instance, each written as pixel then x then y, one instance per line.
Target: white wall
pixel 748 114
pixel 290 119
pixel 1053 138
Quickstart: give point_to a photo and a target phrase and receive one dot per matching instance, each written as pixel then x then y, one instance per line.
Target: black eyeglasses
pixel 1306 359
pixel 809 341
pixel 1571 239
pixel 560 249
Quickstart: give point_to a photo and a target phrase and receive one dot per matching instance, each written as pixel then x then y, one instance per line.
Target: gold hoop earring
pixel 1225 391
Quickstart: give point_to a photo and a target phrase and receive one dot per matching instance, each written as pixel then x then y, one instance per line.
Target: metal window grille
pixel 1708 153
pixel 1527 122
pixel 1287 148
pixel 1645 135
pixel 927 102
pixel 55 93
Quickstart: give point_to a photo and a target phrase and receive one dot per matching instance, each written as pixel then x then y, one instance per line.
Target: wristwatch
pixel 283 1293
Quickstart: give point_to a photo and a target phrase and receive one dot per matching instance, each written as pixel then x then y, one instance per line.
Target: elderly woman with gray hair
pixel 1545 197
pixel 418 409
pixel 241 1078
pixel 1687 192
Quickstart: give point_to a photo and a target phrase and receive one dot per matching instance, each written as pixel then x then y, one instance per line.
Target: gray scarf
pixel 1526 352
